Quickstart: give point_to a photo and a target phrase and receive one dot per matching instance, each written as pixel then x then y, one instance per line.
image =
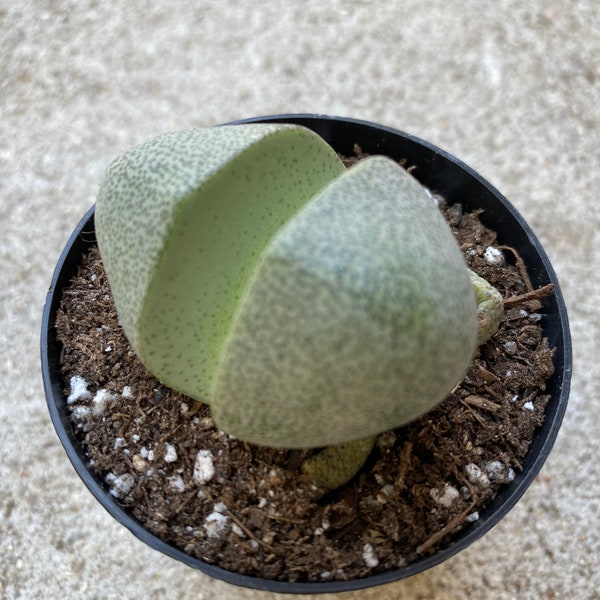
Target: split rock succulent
pixel 306 303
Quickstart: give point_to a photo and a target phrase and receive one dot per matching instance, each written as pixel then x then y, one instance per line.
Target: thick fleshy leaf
pixel 360 317
pixel 181 221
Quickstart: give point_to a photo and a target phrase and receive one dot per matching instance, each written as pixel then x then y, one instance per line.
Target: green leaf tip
pixel 308 304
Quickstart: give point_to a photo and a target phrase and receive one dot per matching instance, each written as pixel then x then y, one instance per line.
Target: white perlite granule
pixel 498 471
pixel 493 256
pixel 369 556
pixel 204 468
pixel 216 522
pixel 177 484
pixel 446 497
pixel 170 453
pixel 476 476
pixel 120 485
pixel 101 401
pixel 81 415
pixel 79 389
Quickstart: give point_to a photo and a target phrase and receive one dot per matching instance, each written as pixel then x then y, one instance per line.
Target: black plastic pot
pixel 440 172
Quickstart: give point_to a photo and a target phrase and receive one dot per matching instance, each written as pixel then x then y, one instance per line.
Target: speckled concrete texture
pixel 512 88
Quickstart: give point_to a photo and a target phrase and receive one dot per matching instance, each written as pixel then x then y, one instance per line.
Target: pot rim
pixel 507 497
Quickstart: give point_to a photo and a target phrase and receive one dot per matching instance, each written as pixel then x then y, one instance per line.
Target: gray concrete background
pixel 510 87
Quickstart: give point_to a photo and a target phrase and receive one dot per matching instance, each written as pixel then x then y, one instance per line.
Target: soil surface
pixel 248 508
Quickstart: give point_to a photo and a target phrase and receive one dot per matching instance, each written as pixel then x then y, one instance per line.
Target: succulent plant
pixel 308 304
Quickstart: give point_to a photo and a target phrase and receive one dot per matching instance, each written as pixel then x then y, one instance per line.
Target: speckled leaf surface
pixel 182 219
pixel 360 317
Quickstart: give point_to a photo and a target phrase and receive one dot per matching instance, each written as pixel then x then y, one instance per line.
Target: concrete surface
pixel 510 87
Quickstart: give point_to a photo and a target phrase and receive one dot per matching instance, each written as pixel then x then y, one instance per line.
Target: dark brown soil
pixel 248 508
